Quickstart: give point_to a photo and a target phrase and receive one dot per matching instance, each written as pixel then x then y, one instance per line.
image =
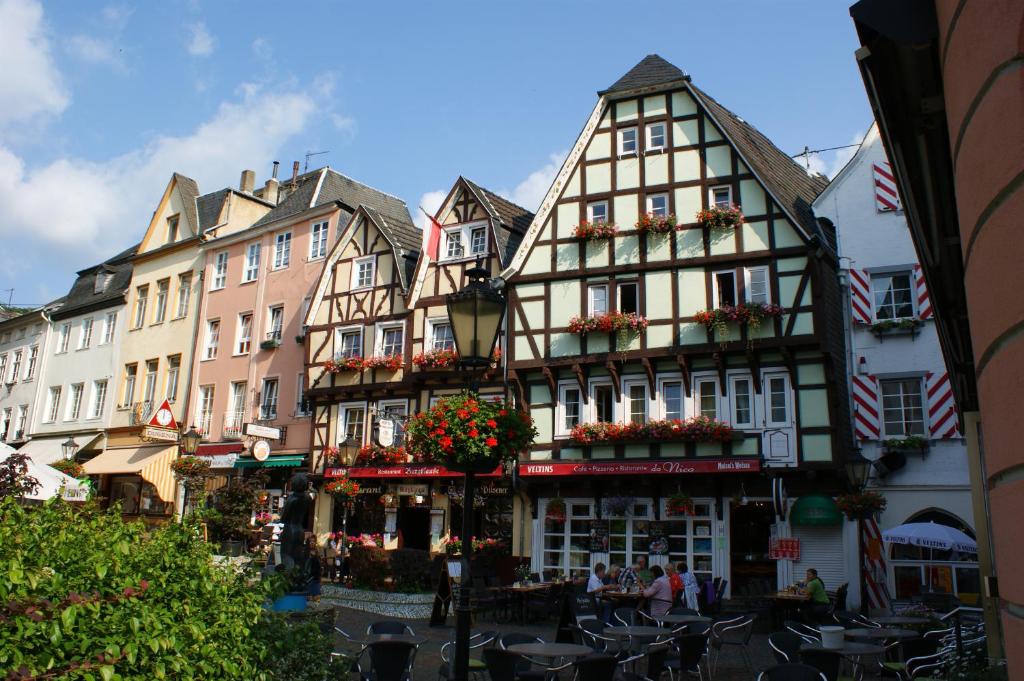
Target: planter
pixel 720 218
pixel 387 603
pixel 270 344
pixel 612 322
pixel 290 602
pixel 595 231
pixel 231 547
pixel 300 339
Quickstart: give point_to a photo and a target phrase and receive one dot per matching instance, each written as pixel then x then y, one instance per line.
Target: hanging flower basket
pixel 861 505
pixel 192 471
pixel 469 433
pixel 342 488
pixel 332 455
pixel 436 359
pixel 555 509
pixel 69 467
pixel 694 429
pixel 914 443
pixel 720 217
pixel 595 231
pixel 377 455
pixel 619 506
pixel 616 322
pixel 679 505
pixel 751 314
pixel 656 224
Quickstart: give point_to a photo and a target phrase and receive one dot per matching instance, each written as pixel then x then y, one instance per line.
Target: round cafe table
pixel 897 620
pixel 634 630
pixel 882 634
pixel 551 650
pixel 849 649
pixel 683 619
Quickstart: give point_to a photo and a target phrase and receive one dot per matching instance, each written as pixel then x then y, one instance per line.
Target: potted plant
pixel 861 505
pixel 656 224
pixel 720 217
pixel 377 455
pixel 522 573
pixel 343 364
pixel 343 489
pixel 611 322
pixel 192 471
pixel 453 547
pixel 469 433
pixel 69 467
pixel 436 359
pixel 678 505
pixel 693 429
pixel 555 509
pixel 389 362
pixel 619 506
pixel 751 314
pixel 594 231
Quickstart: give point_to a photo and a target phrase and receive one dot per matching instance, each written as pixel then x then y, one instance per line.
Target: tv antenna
pixel 310 154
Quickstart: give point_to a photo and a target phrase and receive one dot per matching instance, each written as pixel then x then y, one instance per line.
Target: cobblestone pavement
pixel 730 666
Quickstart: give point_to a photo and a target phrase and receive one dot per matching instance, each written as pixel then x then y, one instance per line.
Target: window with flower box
pixel 721 196
pixel 348 342
pixel 602 402
pixel 597 299
pixel 352 424
pixel 757 287
pixel 597 212
pixel 902 412
pixel 628 297
pixel 671 398
pixel 636 401
pixel 389 340
pixel 893 295
pixel 724 288
pixel 440 335
pixel 566 542
pixel 657 205
pixel 706 390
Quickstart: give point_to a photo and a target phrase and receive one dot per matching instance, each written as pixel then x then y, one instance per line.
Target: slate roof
pixel 513 220
pixel 209 207
pixel 652 70
pixel 405 237
pixel 82 296
pixel 189 190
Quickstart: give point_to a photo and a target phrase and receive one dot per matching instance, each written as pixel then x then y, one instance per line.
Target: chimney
pixel 295 174
pixel 277 164
pixel 247 182
pixel 271 189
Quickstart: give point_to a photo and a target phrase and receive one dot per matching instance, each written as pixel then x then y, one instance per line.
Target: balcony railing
pixel 203 423
pixel 141 413
pixel 233 423
pixel 272 341
pixel 268 412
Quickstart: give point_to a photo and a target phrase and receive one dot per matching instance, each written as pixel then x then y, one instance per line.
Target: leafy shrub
pixel 369 565
pixel 297 649
pixel 410 568
pixel 233 505
pixel 14 478
pixel 86 595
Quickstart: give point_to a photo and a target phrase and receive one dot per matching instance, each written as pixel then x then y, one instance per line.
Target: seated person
pixel 595 586
pixel 817 607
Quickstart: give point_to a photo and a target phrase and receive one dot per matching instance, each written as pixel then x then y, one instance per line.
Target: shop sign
pixel 371 489
pixel 409 490
pixel 261 450
pixel 680 467
pixel 163 418
pixel 599 536
pixel 493 490
pixel 222 460
pixel 788 549
pixel 157 433
pixel 423 471
pixel 386 432
pixel 266 432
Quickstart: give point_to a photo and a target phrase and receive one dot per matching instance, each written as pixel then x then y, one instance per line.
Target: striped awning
pixel 152 463
pixel 271 462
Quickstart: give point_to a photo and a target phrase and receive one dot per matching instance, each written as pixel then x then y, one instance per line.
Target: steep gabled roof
pixel 512 220
pixel 83 296
pixel 405 239
pixel 209 207
pixel 189 190
pixel 652 70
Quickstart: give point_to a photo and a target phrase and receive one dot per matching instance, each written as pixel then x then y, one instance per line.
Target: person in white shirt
pixel 690 586
pixel 596 585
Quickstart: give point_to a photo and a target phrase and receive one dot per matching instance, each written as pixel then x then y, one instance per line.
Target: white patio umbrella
pixel 51 481
pixel 931 535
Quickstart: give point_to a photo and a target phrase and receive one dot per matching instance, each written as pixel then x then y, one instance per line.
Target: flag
pixel 432 239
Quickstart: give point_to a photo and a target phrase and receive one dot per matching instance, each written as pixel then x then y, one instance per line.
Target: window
pixel 453 244
pixel 16 366
pixel 162 288
pixel 212 339
pixel 657 205
pixel 141 296
pixel 901 407
pixel 390 341
pixel 655 136
pixel 85 337
pixel 101 282
pixel 627 297
pixel 570 408
pixel 353 424
pixel 636 402
pixel 52 403
pixel 627 141
pixel 441 337
pixel 244 341
pixel 629 533
pixel 5 423
pixel 282 250
pixel 348 342
pixel 19 426
pixel 184 294
pixel 172 229
pixel 757 285
pixel 672 399
pixel 173 371
pixel 301 403
pixel 33 358
pixel 252 263
pixel 276 325
pixel 690 539
pixel 597 212
pixel 149 389
pixel 776 392
pixel 721 197
pixel 318 241
pixel 362 272
pixel 707 398
pixel 396 411
pixel 742 403
pixel 235 418
pixel 602 395
pixel 75 402
pixel 63 337
pixel 206 394
pixel 893 295
pixel 478 240
pixel 597 299
pixel 567 542
pixel 724 288
pixel 99 399
pixel 109 326
pixel 3 367
pixel 130 371
pixel 268 399
pixel 220 268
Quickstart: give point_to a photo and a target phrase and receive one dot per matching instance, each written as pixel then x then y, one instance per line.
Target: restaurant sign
pixel 679 467
pixel 161 434
pixel 414 471
pixel 409 489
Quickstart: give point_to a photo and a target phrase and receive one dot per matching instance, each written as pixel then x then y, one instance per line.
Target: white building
pixel 899 385
pixel 77 385
pixel 23 350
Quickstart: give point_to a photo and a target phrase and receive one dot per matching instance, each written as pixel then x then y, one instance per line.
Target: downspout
pixel 195 341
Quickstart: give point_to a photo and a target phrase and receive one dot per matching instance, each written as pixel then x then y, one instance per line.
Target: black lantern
pixel 858 469
pixel 69 447
pixel 475 313
pixel 190 441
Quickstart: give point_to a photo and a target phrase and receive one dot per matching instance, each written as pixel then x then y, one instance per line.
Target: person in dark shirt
pixel 315 570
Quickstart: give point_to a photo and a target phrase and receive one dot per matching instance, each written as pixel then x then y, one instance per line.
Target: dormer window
pixel 453 244
pixel 102 281
pixel 477 240
pixel 172 229
pixel 627 141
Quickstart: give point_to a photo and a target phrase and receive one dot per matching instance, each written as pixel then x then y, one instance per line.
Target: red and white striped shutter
pixel 924 302
pixel 876 594
pixel 867 423
pixel 886 196
pixel 943 422
pixel 860 296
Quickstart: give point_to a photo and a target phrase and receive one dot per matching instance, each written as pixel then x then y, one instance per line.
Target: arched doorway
pixel 919 571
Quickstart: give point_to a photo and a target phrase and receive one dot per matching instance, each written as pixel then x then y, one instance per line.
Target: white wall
pixel 22 333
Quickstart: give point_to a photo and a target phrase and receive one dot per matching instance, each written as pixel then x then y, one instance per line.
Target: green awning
pixel 815 510
pixel 272 462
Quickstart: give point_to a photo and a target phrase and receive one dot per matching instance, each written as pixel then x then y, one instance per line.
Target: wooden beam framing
pixel 552 383
pixel 720 365
pixel 754 360
pixel 649 370
pixel 581 379
pixel 684 369
pixel 613 370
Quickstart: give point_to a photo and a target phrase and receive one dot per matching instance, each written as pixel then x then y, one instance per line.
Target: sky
pixel 101 102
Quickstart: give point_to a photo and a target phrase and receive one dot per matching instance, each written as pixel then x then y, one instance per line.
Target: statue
pixel 293 518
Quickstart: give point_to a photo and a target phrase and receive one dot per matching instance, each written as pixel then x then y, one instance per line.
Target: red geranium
pixel 592 231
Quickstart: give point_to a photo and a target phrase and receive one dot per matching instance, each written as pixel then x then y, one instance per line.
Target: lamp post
pixel 189 446
pixel 69 447
pixel 858 470
pixel 475 314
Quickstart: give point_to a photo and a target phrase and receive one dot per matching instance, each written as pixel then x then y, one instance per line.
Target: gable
pixel 178 203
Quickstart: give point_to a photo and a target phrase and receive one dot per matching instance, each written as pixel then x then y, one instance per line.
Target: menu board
pixel 658 532
pixel 599 536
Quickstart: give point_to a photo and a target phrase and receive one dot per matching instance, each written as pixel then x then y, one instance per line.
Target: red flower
pixel 502 412
pixel 446 442
pixel 491 423
pixel 473 432
pixel 491 442
pixel 462 413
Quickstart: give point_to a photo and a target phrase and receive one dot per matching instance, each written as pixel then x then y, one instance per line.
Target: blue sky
pixel 102 102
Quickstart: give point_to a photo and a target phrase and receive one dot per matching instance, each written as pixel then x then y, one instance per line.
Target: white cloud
pixel 530 192
pixel 30 84
pixel 261 48
pixel 200 42
pixel 430 202
pixel 829 163
pixel 92 50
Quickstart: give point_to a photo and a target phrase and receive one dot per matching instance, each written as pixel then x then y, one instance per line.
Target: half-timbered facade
pixel 655 152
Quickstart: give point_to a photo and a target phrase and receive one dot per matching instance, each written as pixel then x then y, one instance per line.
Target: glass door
pixel 690 540
pixel 567 542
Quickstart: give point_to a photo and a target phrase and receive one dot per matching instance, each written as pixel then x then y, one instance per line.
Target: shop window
pixel 690 540
pixel 567 542
pixel 126 490
pixel 918 570
pixel 629 537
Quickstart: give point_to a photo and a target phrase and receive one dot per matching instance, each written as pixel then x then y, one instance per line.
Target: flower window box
pixel 720 217
pixel 656 224
pixel 436 359
pixel 270 344
pixel 888 327
pixel 343 364
pixel 694 429
pixel 911 443
pixel 377 455
pixel 751 314
pixel 595 231
pixel 611 322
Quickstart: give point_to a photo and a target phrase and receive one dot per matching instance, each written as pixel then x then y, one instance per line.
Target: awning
pixel 52 482
pixel 272 462
pixel 640 467
pixel 815 510
pixel 152 463
pixel 46 450
pixel 423 471
pixel 220 454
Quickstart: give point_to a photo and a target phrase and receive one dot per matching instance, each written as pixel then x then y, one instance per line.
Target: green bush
pixel 297 649
pixel 85 595
pixel 369 566
pixel 410 569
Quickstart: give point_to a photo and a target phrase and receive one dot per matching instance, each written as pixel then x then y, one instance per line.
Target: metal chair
pixel 825 661
pixel 656 655
pixel 514 638
pixel 682 611
pixel 592 632
pixel 785 646
pixel 691 651
pixel 791 672
pixel 625 616
pixel 808 634
pixel 854 620
pixel 595 668
pixel 349 651
pixel 733 632
pixel 389 661
pixel 504 665
pixel 390 627
pixel 476 666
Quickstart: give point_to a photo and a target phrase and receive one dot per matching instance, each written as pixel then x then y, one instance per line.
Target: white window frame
pixel 381 412
pixel 85 335
pixel 149 387
pixel 220 271
pixel 63 338
pixel 239 338
pixel 924 405
pixel 733 408
pixel 275 331
pixel 711 195
pixel 109 327
pixel 623 285
pixel 282 250
pixel 318 238
pixel 747 277
pixel 715 297
pixel 875 276
pixel 591 308
pixel 163 292
pixel 339 335
pixel 98 398
pixel 342 425
pixel 382 328
pixel 128 393
pixel 450 234
pixel 3 367
pixel 428 339
pixel 627 402
pixel 630 522
pixel 22 420
pixel 184 295
pixel 590 212
pixel 766 377
pixel 698 381
pixel 621 141
pixel 53 395
pixel 560 411
pixel 591 406
pixel 207 395
pixel 30 363
pixel 473 250
pixel 141 303
pixel 649 203
pixel 276 382
pixel 649 129
pixel 211 340
pixel 357 271
pixel 16 366
pixel 73 408
pixel 300 400
pixel 172 379
pixel 251 271
pixel 662 403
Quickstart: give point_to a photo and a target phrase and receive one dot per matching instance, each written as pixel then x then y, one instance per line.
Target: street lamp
pixel 69 447
pixel 190 441
pixel 475 314
pixel 858 470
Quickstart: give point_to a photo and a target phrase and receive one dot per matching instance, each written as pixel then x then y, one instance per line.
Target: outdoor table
pixel 882 634
pixel 900 619
pixel 683 619
pixel 851 650
pixel 551 651
pixel 784 604
pixel 635 630
pixel 519 593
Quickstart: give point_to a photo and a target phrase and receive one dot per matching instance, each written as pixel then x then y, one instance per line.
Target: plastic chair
pixel 389 661
pixel 625 616
pixel 733 632
pixel 785 646
pixel 691 651
pixel 825 661
pixel 390 627
pixel 791 672
pixel 595 668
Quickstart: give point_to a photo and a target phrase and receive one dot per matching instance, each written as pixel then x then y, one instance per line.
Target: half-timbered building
pixel 739 323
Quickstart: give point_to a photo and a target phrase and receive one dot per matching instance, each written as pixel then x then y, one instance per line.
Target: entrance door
pixel 414 526
pixel 753 572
